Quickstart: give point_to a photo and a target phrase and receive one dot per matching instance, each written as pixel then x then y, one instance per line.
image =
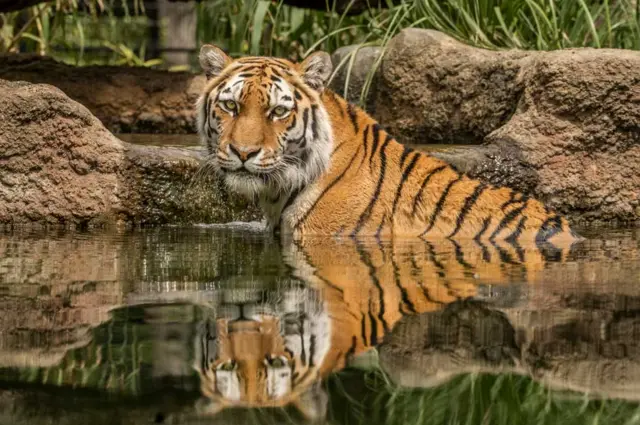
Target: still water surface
pixel 224 324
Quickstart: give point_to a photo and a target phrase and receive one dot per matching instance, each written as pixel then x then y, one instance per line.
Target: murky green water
pixel 228 325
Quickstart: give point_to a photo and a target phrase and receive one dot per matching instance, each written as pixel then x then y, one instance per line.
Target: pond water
pixel 224 324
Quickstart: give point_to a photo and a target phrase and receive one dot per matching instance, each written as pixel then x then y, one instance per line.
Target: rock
pixel 562 126
pixel 60 166
pixel 125 99
pixel 357 63
pixel 433 89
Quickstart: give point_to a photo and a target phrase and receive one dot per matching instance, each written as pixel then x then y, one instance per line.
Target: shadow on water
pixel 228 325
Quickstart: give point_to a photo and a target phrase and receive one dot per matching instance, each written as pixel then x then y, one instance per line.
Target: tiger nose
pixel 244 153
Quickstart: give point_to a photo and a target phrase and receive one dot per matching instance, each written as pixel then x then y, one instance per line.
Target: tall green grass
pixel 263 27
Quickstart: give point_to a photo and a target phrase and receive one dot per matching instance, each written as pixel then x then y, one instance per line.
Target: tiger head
pixel 266 354
pixel 263 122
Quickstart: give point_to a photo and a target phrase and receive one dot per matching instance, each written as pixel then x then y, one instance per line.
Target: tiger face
pixel 266 354
pixel 263 122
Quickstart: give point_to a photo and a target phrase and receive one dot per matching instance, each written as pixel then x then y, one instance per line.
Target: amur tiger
pixel 321 166
pixel 272 348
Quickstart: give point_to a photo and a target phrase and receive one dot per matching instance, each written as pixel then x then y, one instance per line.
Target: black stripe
pixel 432 257
pixel 508 218
pixel 279 62
pixel 206 111
pixel 485 226
pixel 337 148
pixel 468 203
pixel 293 123
pixel 364 140
pixel 363 329
pixel 374 144
pixel 312 350
pixel 333 183
pixel 486 255
pixel 376 194
pixel 353 116
pixel 287 97
pixel 418 197
pixel 549 228
pixel 403 290
pixel 302 141
pixel 297 94
pixel 354 342
pixel 314 122
pixel 373 340
pixel 505 257
pixel 440 204
pixel 364 257
pixel 513 237
pixel 403 179
pixel 468 268
pixel 303 353
pixel 514 198
pixel 302 88
pixel 405 153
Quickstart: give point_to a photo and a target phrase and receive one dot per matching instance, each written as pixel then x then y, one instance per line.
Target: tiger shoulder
pixel 318 165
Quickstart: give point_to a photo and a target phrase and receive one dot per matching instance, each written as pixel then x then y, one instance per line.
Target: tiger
pixel 319 165
pixel 343 297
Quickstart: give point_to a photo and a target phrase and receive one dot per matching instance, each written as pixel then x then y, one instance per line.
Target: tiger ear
pixel 213 60
pixel 316 70
pixel 312 404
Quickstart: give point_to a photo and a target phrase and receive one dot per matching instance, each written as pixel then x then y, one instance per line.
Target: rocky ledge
pixel 60 166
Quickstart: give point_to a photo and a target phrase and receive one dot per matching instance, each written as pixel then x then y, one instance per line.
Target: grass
pixel 359 397
pixel 70 30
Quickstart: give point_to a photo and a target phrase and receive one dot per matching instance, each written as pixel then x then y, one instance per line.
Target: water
pixel 198 325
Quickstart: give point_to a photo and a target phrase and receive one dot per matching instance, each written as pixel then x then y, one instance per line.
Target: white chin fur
pixel 245 184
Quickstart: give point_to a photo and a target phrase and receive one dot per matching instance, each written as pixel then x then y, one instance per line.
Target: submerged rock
pixel 59 165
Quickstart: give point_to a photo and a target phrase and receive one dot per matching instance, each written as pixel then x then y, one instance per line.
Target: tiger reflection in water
pixel 273 348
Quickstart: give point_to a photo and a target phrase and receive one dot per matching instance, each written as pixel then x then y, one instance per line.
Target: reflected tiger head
pixel 266 354
pixel 263 121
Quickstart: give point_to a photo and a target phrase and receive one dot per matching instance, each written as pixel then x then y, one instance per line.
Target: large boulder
pixel 59 165
pixel 562 126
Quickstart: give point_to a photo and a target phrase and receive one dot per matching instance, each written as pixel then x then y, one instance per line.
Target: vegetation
pixel 273 28
pixel 369 397
pixel 85 32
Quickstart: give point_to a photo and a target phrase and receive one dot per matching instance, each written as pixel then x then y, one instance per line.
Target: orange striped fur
pixel 321 166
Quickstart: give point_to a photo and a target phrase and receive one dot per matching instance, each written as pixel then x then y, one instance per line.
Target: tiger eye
pixel 230 105
pixel 279 111
pixel 227 367
pixel 277 362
